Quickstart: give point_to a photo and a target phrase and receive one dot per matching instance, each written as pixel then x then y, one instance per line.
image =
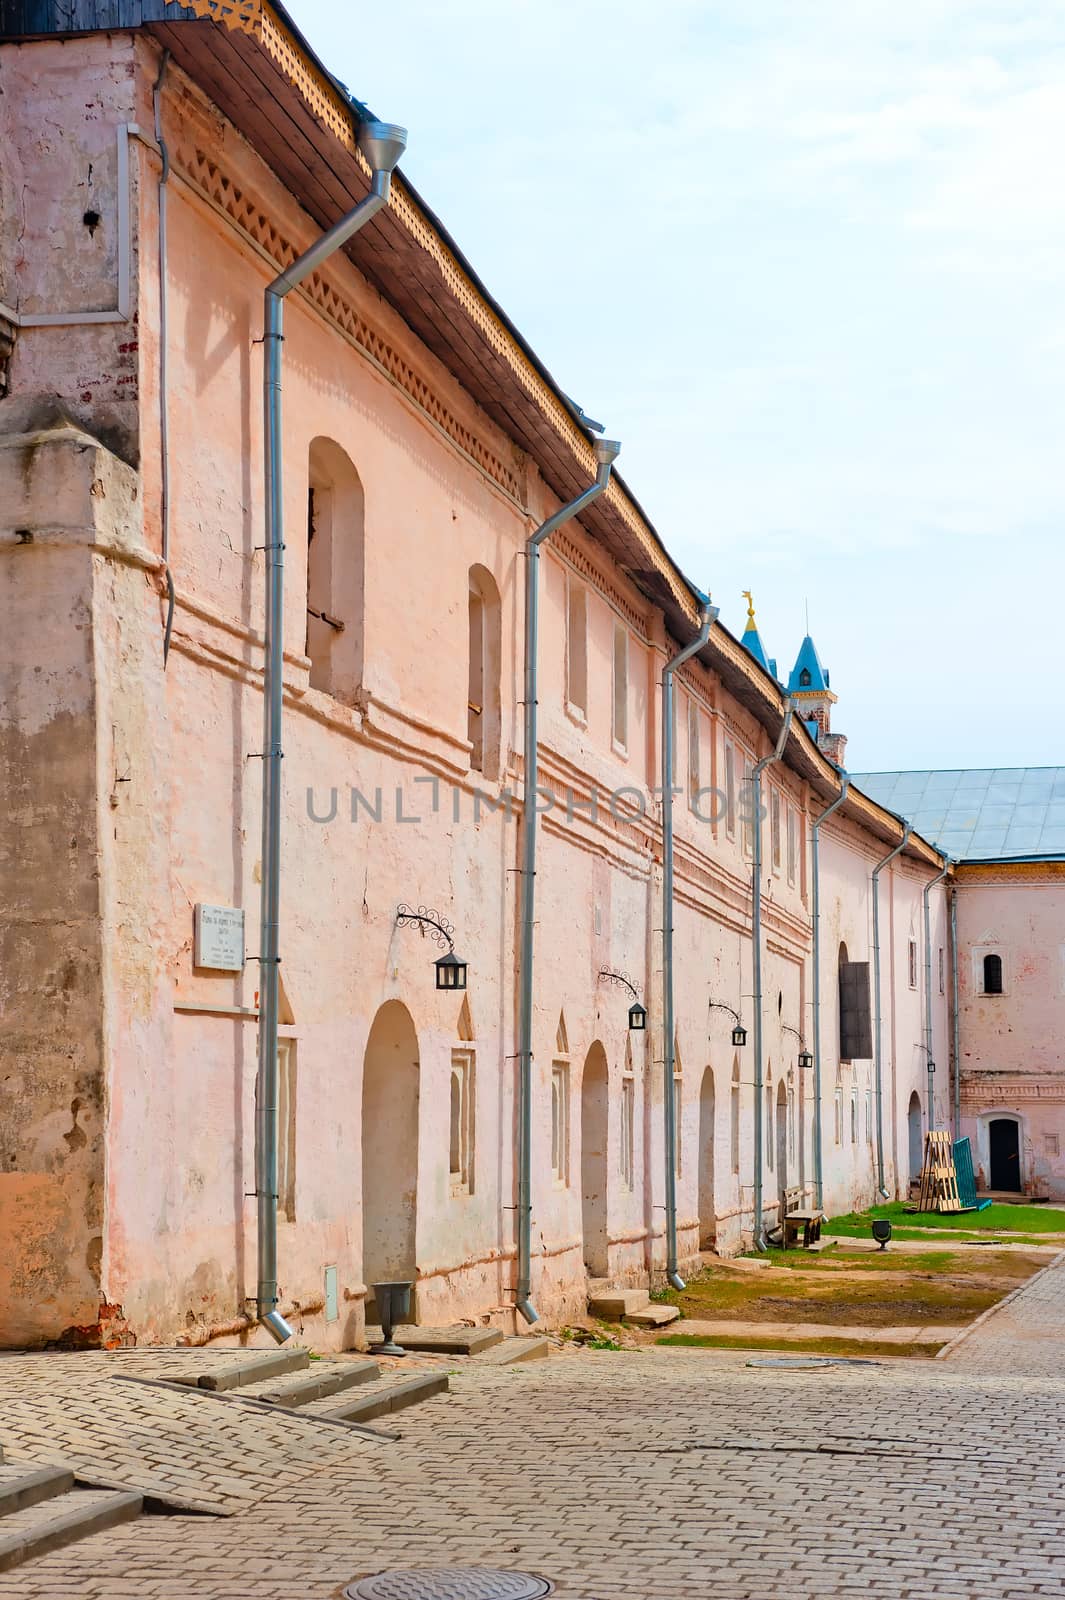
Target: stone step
pixel 318 1382
pixel 62 1520
pixel 392 1392
pixel 653 1316
pixel 253 1368
pixel 453 1341
pixel 613 1304
pixel 22 1486
pixel 522 1347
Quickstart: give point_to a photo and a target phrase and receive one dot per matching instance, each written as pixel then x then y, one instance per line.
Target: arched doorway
pixel 707 1211
pixel 782 1141
pixel 595 1132
pixel 390 1147
pixel 916 1143
pixel 1004 1138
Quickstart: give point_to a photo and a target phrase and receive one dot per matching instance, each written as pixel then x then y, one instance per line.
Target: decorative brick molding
pixel 975 1092
pixel 573 554
pixel 251 219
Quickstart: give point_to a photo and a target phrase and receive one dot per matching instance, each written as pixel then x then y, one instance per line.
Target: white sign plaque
pixel 218 938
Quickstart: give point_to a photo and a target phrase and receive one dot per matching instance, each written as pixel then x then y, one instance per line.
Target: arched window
pixel 335 571
pixel 992 974
pixel 483 711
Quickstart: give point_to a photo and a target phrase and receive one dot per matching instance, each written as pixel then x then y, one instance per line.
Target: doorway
pixel 707 1212
pixel 782 1142
pixel 1004 1136
pixel 916 1143
pixel 595 1131
pixel 390 1148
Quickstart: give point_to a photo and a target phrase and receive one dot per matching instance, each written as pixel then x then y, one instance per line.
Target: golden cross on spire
pixel 748 596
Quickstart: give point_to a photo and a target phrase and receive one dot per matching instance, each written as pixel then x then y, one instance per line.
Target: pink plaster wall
pixel 177 797
pixel 1011 1050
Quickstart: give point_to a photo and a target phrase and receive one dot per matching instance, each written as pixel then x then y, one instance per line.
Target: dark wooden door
pixel 1005 1155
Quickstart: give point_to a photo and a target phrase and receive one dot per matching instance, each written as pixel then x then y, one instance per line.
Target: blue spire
pixel 752 639
pixel 808 675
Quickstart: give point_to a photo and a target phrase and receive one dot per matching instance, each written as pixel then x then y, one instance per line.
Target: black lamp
pixel 637 1018
pixel 739 1035
pixel 806 1060
pixel 637 1012
pixel 451 972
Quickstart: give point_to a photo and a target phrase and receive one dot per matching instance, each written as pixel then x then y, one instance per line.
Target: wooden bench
pixel 795 1214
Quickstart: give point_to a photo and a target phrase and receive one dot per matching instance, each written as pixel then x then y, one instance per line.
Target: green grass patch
pixel 839 1259
pixel 870 1348
pixel 998 1218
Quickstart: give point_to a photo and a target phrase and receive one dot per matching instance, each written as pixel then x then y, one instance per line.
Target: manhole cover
pixel 812 1361
pixel 449 1583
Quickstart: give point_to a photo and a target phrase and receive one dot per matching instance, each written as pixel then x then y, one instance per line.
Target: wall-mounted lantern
pixel 637 1012
pixel 806 1059
pixel 451 970
pixel 739 1032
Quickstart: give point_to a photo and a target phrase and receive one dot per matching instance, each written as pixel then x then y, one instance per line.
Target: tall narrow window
pixel 838 1107
pixel 286 1128
pixel 774 825
pixel 942 972
pixel 912 962
pixel 854 1116
pixel 747 809
pixel 628 1142
pixel 576 646
pixel 855 1017
pixel 868 1116
pixel 621 686
pixel 769 1140
pixel 793 844
pixel 483 718
pixel 335 572
pixel 693 753
pixel 734 1118
pixel 730 791
pixel 461 1135
pixel 992 974
pixel 560 1122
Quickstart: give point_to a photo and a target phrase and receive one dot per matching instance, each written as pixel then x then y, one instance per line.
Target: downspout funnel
pixel 878 1053
pixel 708 615
pixel 756 962
pixel 606 451
pixel 819 1169
pixel 382 144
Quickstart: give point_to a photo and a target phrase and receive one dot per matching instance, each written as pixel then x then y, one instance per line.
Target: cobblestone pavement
pixel 664 1474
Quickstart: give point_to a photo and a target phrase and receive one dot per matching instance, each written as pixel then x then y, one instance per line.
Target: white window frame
pixel 628 1131
pixel 463 1063
pixel 560 1119
pixel 793 844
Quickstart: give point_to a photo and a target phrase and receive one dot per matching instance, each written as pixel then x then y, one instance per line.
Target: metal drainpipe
pixel 929 1056
pixel 606 451
pixel 878 1054
pixel 708 615
pixel 164 403
pixel 955 1019
pixel 819 1172
pixel 756 963
pixel 382 145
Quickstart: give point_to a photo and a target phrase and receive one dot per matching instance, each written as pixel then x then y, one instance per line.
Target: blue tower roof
pixel 752 639
pixel 808 675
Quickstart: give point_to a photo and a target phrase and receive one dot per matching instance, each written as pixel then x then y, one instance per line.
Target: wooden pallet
pixel 939 1177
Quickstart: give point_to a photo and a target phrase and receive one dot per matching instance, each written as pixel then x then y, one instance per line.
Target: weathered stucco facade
pixel 126 1189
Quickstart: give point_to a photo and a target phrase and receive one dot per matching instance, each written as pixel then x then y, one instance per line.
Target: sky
pixel 805 258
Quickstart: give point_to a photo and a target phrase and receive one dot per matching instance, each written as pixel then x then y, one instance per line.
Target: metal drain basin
pixel 449 1583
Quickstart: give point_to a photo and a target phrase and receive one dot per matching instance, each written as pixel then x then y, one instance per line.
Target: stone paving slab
pixel 174 1444
pixel 664 1475
pixel 928 1333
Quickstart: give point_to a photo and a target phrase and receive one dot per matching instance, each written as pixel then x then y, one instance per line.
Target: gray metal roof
pixel 983 814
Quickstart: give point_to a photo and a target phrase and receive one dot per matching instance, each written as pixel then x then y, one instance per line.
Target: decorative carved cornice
pixel 1003 1091
pixel 250 218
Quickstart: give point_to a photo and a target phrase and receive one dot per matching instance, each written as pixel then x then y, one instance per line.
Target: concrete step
pixel 22 1486
pixel 653 1316
pixel 392 1392
pixel 613 1304
pixel 317 1382
pixel 253 1368
pixel 62 1520
pixel 522 1347
pixel 454 1341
